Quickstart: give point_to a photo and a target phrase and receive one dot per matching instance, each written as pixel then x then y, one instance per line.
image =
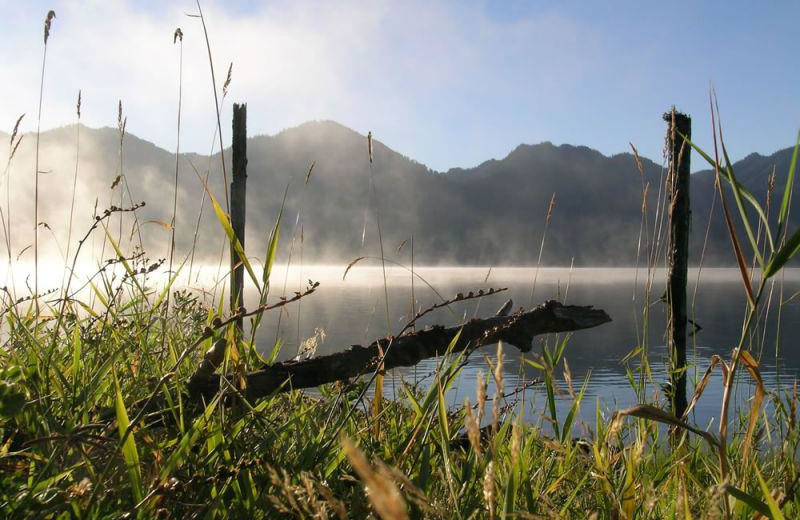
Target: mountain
pixel 491 214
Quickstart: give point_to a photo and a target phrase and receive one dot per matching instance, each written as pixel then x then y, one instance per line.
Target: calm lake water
pixel 352 311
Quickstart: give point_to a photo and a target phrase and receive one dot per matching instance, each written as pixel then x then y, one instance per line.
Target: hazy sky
pixel 449 83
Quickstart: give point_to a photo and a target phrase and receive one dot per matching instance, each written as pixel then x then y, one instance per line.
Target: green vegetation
pixel 76 443
pixel 79 441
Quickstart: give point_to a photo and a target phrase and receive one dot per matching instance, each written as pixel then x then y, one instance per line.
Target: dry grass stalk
pixel 47 23
pixel 481 392
pixel 74 180
pixel 516 442
pixel 549 214
pixel 377 403
pixel 488 489
pixel 498 389
pixel 381 490
pixel 177 35
pixel 216 106
pixel 473 429
pixel 227 80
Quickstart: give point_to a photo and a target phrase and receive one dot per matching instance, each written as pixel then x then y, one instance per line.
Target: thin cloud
pixel 379 65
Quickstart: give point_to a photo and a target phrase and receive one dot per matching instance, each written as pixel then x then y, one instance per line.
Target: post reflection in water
pixel 352 311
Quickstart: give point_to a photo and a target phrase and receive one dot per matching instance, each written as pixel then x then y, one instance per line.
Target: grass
pixel 75 370
pixel 73 445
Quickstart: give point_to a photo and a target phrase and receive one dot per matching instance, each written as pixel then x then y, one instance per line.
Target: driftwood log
pixel 518 329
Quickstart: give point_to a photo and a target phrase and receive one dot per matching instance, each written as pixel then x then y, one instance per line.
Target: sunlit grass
pixel 96 418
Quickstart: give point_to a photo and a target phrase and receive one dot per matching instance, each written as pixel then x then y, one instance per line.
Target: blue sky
pixel 448 83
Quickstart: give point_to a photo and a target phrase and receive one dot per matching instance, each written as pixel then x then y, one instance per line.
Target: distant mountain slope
pixel 491 214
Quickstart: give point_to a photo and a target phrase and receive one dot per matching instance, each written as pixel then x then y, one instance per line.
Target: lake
pixel 353 311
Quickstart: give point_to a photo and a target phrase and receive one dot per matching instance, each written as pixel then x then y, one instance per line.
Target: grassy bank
pixel 75 444
pixel 97 421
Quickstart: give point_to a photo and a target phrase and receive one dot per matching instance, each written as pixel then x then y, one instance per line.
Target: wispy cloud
pixel 399 68
pixel 448 82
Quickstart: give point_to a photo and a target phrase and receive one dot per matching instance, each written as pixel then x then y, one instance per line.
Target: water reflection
pixel 352 311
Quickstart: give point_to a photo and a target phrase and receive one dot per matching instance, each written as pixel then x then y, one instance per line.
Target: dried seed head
pixel 488 488
pixel 473 430
pixel 16 128
pixel 14 135
pixel 369 145
pixel 568 379
pixel 381 490
pixel 47 21
pixel 498 389
pixel 481 390
pixel 498 369
pixel 178 35
pixel 78 107
pixel 516 442
pixel 638 159
pixel 227 80
pixel 121 122
pixel 80 489
pixel 771 181
pixel 550 207
pixel 310 169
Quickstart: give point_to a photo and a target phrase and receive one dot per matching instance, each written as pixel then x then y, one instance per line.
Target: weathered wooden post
pixel 238 199
pixel 678 253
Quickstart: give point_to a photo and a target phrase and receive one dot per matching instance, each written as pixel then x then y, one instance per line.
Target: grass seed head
pixel 516 442
pixel 47 21
pixel 498 389
pixel 381 490
pixel 473 430
pixel 488 488
pixel 227 80
pixel 481 390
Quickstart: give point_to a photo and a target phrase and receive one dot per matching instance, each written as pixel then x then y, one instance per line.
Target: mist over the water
pixel 492 214
pixel 350 309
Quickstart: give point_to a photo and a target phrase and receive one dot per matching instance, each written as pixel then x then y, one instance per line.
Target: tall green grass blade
pixel 76 356
pixel 276 349
pixel 272 251
pixel 510 494
pixel 129 452
pixel 784 254
pixel 775 512
pixel 574 493
pixel 566 429
pixel 443 422
pixel 412 400
pixel 748 499
pixel 787 190
pixel 225 222
pixel 737 195
pixel 737 187
pixel 188 440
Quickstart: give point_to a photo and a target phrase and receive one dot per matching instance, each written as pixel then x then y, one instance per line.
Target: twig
pixel 460 297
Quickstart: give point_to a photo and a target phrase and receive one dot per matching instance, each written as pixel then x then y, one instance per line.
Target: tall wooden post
pixel 678 254
pixel 238 200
